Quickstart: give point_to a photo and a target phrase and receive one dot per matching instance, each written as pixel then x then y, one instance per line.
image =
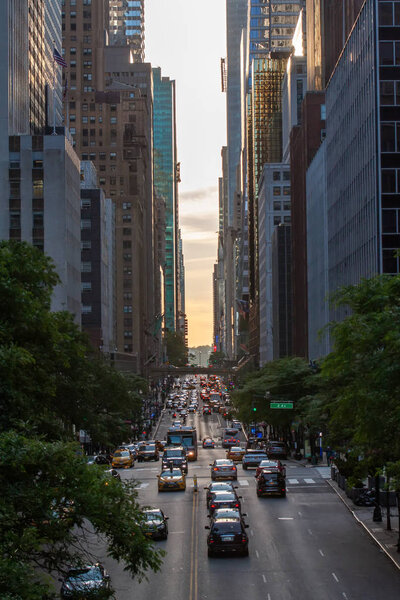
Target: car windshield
pixel 150 448
pixel 220 486
pixel 270 476
pixel 268 463
pixel 235 449
pixel 120 453
pixel 226 513
pixel 86 574
pixel 173 473
pixel 221 462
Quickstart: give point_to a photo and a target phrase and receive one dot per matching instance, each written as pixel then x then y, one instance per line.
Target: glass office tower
pixel 164 140
pixel 127 25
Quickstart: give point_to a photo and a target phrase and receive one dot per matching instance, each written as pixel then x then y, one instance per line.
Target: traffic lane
pixel 173 580
pixel 309 546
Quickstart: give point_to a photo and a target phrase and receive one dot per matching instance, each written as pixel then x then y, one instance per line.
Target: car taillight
pixel 244 540
pixel 212 505
pixel 234 468
pixel 236 505
pixel 216 468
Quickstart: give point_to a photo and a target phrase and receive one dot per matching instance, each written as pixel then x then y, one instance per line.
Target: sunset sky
pixel 186 38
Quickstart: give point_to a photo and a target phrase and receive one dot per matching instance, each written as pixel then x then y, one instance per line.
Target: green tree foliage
pixel 176 349
pixel 361 377
pixel 286 379
pixel 50 380
pixel 51 506
pixel 216 359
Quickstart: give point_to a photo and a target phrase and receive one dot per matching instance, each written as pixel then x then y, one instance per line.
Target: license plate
pixel 228 538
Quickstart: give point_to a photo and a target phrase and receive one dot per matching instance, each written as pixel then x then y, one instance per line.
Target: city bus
pixel 186 437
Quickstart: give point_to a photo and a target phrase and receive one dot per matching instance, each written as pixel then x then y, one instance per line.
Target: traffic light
pixel 254 408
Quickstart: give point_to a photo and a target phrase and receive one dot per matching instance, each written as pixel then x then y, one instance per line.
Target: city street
pixel 304 547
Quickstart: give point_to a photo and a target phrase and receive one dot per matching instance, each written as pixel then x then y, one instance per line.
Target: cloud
pixel 199 195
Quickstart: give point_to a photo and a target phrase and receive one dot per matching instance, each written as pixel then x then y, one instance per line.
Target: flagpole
pixel 54 93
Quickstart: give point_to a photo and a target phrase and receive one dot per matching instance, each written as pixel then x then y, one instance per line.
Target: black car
pixel 227 513
pixel 227 535
pixel 223 500
pixel 91 581
pixel 219 486
pixel 155 524
pixel 148 452
pixel 271 482
pixel 176 457
pixel 277 450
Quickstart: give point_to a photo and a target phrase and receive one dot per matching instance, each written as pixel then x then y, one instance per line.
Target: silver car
pixel 223 468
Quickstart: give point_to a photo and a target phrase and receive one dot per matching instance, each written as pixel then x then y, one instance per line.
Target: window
pixel 127 333
pixel 37 220
pixel 323 112
pixel 276 175
pixel 87 51
pixel 126 205
pixel 72 51
pixel 286 190
pixel 277 191
pixel 286 176
pixel 86 286
pixel 127 295
pixel 286 219
pixel 387 137
pixel 126 218
pixel 277 220
pixel 38 188
pixel 113 156
pixel 102 180
pixel 15 189
pixel 277 206
pixel 84 119
pixel 127 270
pixel 86 309
pixel 386 56
pixel 389 221
pixel 286 206
pixel 113 120
pixel 15 219
pixel 387 92
pixel 86 244
pixel 126 244
pixel 87 77
pixel 127 231
pixel 128 322
pixel 385 13
pixel 86 224
pixel 127 347
pixel 388 181
pixel 86 267
pixel 127 308
pixel 127 257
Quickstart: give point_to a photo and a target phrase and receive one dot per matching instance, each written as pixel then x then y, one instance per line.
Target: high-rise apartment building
pixel 127 26
pixel 29 77
pixel 109 107
pixel 166 185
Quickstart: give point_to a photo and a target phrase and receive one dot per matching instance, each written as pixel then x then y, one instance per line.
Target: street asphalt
pixel 306 546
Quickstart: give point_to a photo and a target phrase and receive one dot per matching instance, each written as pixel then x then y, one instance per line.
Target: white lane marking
pixel 243 481
pixel 300 514
pixel 321 553
pixel 197 467
pixel 264 579
pixel 285 518
pixel 252 532
pixel 335 578
pixel 269 597
pixel 170 532
pixel 309 480
pixel 344 595
pixel 309 531
pixel 142 486
pixel 258 556
pixel 293 481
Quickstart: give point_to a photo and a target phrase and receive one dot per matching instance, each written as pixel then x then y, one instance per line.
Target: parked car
pixel 90 580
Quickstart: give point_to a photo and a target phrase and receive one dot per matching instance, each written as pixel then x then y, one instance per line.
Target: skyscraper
pixel 127 26
pixel 165 183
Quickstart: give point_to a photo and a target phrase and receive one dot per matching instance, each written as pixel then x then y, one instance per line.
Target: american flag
pixel 59 59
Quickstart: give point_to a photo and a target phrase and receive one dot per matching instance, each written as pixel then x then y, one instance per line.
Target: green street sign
pixel 281 405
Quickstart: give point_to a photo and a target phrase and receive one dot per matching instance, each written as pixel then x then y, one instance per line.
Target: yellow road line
pixel 193 586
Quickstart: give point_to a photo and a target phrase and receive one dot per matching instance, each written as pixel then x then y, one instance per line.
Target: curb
pixel 396 564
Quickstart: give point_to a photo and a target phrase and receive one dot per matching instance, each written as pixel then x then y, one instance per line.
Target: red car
pixel 270 464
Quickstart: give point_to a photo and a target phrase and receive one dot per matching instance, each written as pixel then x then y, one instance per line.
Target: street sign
pixel 281 405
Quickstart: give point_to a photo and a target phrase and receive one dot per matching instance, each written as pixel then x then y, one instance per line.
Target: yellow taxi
pixel 122 459
pixel 236 453
pixel 171 479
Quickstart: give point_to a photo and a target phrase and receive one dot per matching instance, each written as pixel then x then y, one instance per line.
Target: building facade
pixel 127 26
pixel 281 253
pixel 273 209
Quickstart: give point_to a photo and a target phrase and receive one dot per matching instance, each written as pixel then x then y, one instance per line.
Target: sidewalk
pixel 386 540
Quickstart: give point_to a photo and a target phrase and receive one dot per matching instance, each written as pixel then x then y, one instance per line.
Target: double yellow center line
pixel 194 549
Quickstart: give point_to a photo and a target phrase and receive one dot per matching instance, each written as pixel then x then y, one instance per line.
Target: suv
pixel 227 535
pixel 148 452
pixel 277 450
pixel 175 456
pixel 271 482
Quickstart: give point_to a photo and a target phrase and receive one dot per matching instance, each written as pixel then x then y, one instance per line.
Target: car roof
pixel 221 493
pixel 223 461
pixel 236 449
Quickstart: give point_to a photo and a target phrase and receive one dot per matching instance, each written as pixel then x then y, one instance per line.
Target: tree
pixel 361 376
pixel 176 348
pixel 216 359
pixel 51 503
